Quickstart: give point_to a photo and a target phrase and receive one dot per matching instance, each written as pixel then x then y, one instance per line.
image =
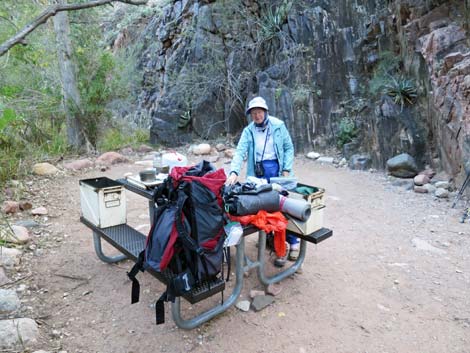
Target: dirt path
pixel 395 277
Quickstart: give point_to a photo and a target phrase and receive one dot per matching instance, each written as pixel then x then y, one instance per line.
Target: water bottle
pixel 157 162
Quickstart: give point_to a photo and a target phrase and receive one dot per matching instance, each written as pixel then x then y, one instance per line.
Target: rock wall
pixel 314 62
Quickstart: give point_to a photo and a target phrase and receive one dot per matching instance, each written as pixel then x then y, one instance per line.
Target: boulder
pixel 220 147
pixel 25 205
pixel 402 166
pixel 262 301
pixel 420 189
pixel 328 160
pixel 431 188
pixel 10 207
pixel 44 169
pixel 40 211
pixel 360 162
pixel 20 236
pixel 110 158
pixel 229 153
pixel 144 149
pixel 313 155
pixel 441 193
pixel 79 164
pixel 203 148
pixel 9 257
pixel 18 334
pixel 421 179
pixel 9 301
pixel 442 185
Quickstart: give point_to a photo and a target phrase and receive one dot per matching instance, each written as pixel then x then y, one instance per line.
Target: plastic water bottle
pixel 157 162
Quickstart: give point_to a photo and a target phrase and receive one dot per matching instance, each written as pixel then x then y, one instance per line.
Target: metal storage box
pixel 103 202
pixel 315 222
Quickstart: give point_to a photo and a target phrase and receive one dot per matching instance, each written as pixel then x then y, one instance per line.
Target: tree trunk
pixel 71 96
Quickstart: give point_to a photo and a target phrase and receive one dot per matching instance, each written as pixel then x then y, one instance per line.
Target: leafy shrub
pixel 116 138
pixel 347 131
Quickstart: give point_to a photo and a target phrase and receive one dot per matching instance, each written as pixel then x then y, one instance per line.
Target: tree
pixel 76 136
pixel 20 36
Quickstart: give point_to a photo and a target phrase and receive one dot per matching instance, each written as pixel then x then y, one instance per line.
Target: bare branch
pixel 19 38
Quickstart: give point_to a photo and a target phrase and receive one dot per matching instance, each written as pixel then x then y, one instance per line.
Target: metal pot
pixel 147 175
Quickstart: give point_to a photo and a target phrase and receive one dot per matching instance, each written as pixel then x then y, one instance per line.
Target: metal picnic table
pixel 131 242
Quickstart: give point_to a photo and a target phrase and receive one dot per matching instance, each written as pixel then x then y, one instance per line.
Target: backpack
pixel 185 242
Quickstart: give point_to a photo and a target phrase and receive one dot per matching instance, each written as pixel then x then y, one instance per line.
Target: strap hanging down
pixel 139 266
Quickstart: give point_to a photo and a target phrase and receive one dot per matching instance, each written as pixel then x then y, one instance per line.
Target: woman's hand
pixel 232 179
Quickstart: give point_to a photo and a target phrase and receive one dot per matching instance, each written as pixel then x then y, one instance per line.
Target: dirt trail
pixel 372 287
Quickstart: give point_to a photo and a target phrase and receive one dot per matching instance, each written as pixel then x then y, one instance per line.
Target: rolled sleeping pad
pixel 251 204
pixel 299 209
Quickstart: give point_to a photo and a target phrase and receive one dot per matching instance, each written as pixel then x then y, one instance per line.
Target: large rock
pixel 44 169
pixel 20 236
pixel 18 334
pixel 9 301
pixel 360 162
pixel 3 277
pixel 202 148
pixel 402 166
pixel 9 257
pixel 10 207
pixel 109 158
pixel 79 164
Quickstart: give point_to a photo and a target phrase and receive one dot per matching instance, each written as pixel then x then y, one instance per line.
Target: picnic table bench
pixel 131 242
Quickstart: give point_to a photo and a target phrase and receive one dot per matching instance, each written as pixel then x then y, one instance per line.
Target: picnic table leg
pixel 281 275
pixel 216 310
pixel 101 255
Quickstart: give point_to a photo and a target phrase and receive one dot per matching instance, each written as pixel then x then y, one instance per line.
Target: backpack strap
pixel 139 266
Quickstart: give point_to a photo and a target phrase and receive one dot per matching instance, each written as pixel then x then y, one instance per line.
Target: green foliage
pixel 387 79
pixel 273 19
pixel 402 90
pixel 347 131
pixel 117 138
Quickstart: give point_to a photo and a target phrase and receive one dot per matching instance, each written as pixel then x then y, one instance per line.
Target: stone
pixel 243 305
pixel 229 153
pixel 79 164
pixel 429 172
pixel 3 277
pixel 402 166
pixel 360 162
pixel 28 223
pixel 127 151
pixel 350 149
pixel 25 205
pixel 10 207
pixel 203 148
pixel 110 158
pixel 45 169
pixel 9 257
pixel 441 193
pixel 220 147
pixel 431 188
pixel 313 155
pixel 420 189
pixel 40 211
pixel 144 149
pixel 256 292
pixel 9 301
pixel 328 160
pixel 421 179
pixel 407 183
pixel 262 301
pixel 21 235
pixel 442 185
pixel 18 334
pixel 343 162
pixel 274 289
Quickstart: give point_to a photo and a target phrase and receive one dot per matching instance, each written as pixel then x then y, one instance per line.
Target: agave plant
pixel 402 91
pixel 274 19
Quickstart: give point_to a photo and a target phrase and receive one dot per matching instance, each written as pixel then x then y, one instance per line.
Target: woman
pixel 268 148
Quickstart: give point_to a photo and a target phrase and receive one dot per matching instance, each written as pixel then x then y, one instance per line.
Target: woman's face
pixel 257 114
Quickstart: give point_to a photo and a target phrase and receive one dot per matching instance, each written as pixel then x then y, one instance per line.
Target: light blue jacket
pixel 246 148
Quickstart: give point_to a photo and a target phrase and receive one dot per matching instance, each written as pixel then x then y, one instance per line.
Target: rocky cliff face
pixel 398 71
